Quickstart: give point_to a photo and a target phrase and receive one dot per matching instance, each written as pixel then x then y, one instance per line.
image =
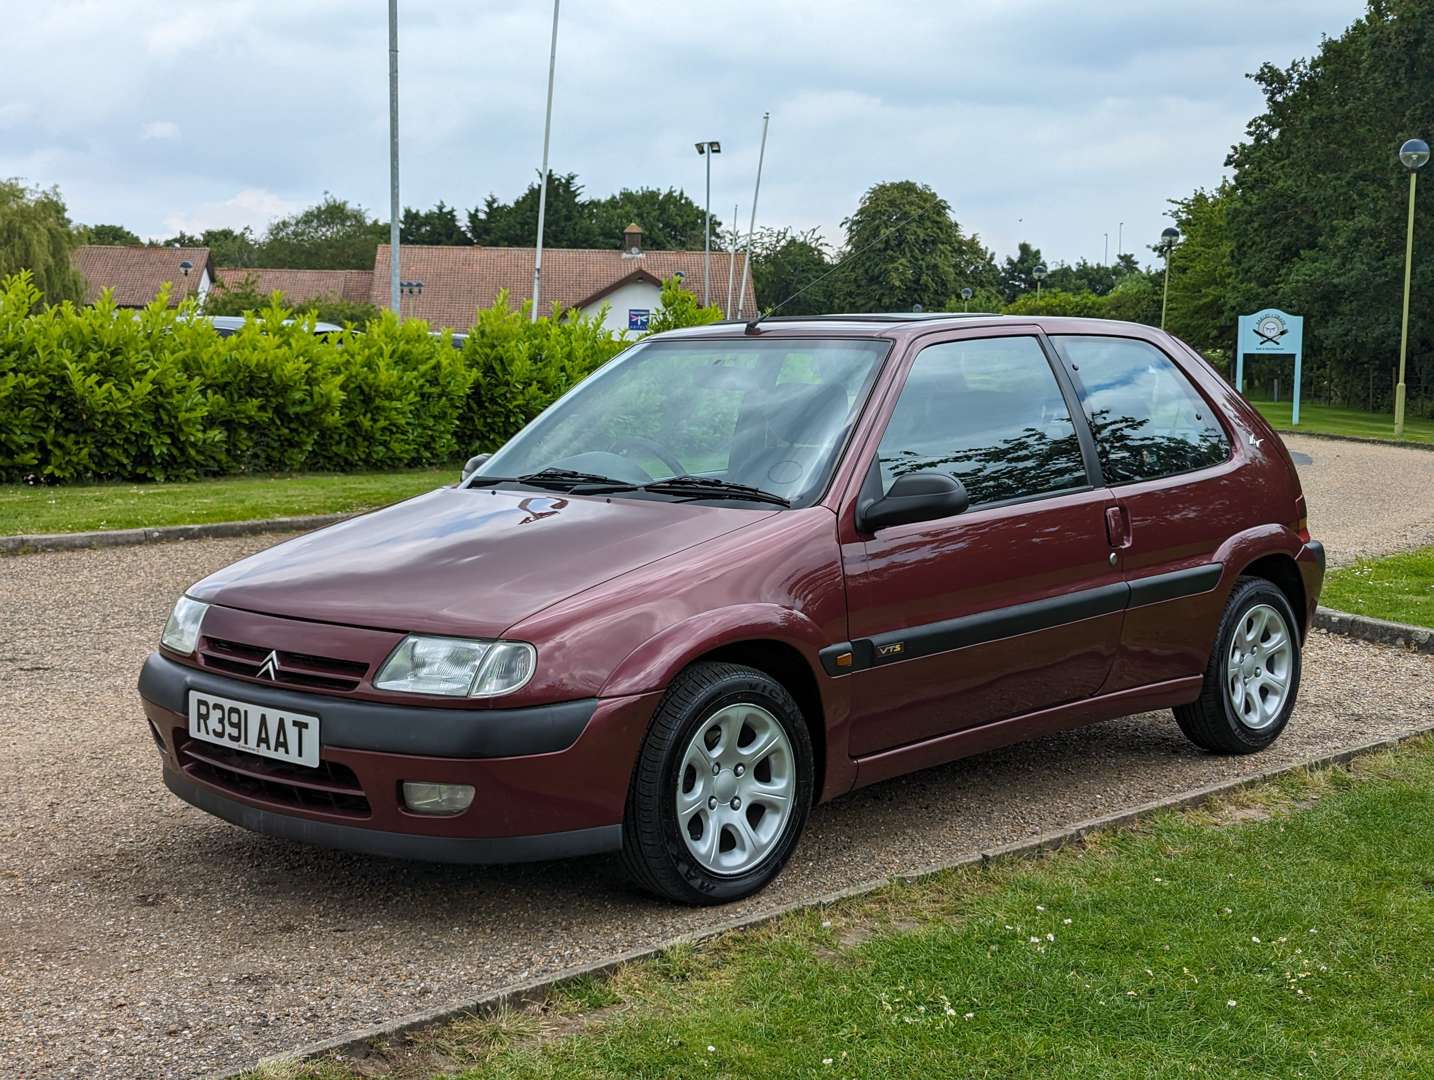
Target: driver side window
pixel 989 412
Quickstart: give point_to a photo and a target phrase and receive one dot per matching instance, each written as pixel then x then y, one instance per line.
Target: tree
pixel 437 226
pixel 1202 274
pixel 36 235
pixel 792 271
pixel 678 307
pixel 229 247
pixel 330 235
pixel 670 220
pixel 108 234
pixel 1018 273
pixel 566 221
pixel 1094 278
pixel 1317 211
pixel 904 248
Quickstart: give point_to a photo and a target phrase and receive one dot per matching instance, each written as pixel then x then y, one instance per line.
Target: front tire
pixel 722 787
pixel 1253 676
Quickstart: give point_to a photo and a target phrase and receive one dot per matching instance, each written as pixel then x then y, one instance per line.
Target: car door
pixel 1012 606
pixel 1167 460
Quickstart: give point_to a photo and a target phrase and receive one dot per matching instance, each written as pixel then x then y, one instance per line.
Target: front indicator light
pixel 456 667
pixel 422 797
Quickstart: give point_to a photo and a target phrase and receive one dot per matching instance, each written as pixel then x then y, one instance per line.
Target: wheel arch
pixel 1283 572
pixel 789 667
pixel 778 641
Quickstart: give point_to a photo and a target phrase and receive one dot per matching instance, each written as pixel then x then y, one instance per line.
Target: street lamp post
pixel 1120 241
pixel 707 149
pixel 1413 154
pixel 394 213
pixel 1106 261
pixel 543 191
pixel 1039 273
pixel 1168 236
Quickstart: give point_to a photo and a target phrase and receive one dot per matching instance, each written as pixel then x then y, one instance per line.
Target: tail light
pixel 1302 518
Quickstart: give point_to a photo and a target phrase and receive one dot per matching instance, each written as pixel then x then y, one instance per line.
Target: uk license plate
pixel 258 729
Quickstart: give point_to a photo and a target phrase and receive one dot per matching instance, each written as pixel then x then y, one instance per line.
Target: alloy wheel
pixel 735 788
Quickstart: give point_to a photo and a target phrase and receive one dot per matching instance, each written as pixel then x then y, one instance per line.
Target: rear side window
pixel 990 413
pixel 1148 420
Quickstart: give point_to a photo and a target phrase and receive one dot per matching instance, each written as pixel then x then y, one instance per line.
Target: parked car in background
pixel 229 325
pixel 740 570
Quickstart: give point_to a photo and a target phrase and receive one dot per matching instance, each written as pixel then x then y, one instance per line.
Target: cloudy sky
pixel 1045 121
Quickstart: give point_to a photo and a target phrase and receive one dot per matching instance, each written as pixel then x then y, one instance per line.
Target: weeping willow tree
pixel 35 235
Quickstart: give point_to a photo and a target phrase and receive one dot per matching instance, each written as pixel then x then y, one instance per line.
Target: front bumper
pixel 370 841
pixel 549 781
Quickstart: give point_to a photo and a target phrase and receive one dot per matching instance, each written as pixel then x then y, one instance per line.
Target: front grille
pixel 330 789
pixel 294 669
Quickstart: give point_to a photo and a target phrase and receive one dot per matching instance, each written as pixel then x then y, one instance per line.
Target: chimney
pixel 632 241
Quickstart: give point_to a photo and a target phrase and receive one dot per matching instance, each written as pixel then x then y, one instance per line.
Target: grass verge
pixel 1287 931
pixel 1399 588
pixel 1328 420
pixel 87 507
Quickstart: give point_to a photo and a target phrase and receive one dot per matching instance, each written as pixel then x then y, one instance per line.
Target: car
pixel 229 325
pixel 745 568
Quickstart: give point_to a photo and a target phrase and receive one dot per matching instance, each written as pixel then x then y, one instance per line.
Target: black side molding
pixel 1177 583
pixel 371 725
pixel 938 637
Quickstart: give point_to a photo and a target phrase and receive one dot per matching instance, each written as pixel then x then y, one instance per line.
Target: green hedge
pixel 99 393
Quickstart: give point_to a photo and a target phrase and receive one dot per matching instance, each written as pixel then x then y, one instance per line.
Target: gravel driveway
pixel 140 937
pixel 1365 499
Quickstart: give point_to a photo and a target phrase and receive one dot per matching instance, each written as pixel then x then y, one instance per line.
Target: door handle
pixel 1117 526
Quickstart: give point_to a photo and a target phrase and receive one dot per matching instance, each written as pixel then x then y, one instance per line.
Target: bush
pixel 101 393
pixel 520 367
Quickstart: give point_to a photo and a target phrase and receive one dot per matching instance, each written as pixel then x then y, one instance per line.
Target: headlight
pixel 181 633
pixel 456 667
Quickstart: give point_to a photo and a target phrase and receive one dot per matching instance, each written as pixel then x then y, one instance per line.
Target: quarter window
pixel 989 412
pixel 1148 420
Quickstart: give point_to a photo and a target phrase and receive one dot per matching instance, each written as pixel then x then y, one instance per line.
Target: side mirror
pixel 915 496
pixel 473 464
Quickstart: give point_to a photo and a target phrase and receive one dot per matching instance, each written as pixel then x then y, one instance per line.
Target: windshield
pixel 768 414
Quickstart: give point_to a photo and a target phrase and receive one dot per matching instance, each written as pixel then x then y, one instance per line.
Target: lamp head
pixel 1413 154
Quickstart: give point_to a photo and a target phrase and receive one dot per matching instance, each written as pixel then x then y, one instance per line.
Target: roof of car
pixel 885 324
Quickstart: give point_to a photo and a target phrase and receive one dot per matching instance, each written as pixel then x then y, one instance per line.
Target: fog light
pixel 422 797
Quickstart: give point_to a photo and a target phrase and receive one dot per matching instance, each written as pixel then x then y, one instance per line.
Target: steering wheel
pixel 658 451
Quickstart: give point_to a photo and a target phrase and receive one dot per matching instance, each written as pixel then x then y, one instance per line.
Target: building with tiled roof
pixel 137 273
pixel 301 286
pixel 457 281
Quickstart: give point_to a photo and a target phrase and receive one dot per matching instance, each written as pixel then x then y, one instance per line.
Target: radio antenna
pixel 752 326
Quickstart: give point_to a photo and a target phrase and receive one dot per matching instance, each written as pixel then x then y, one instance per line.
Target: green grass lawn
pixel 1286 932
pixel 1328 420
pixel 1397 587
pixel 82 508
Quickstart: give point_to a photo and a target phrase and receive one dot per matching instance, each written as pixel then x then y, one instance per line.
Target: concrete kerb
pixel 537 990
pixel 162 534
pixel 1368 440
pixel 1378 631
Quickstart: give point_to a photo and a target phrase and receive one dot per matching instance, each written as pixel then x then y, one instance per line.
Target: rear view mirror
pixel 915 496
pixel 473 464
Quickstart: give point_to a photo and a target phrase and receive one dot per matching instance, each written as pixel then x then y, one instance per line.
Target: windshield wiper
pixel 711 487
pixel 554 477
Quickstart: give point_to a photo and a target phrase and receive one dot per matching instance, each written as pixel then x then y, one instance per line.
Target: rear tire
pixel 722 787
pixel 1253 677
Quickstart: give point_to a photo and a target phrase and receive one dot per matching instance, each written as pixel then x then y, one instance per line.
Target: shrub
pixel 101 393
pixel 520 367
pixel 272 389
